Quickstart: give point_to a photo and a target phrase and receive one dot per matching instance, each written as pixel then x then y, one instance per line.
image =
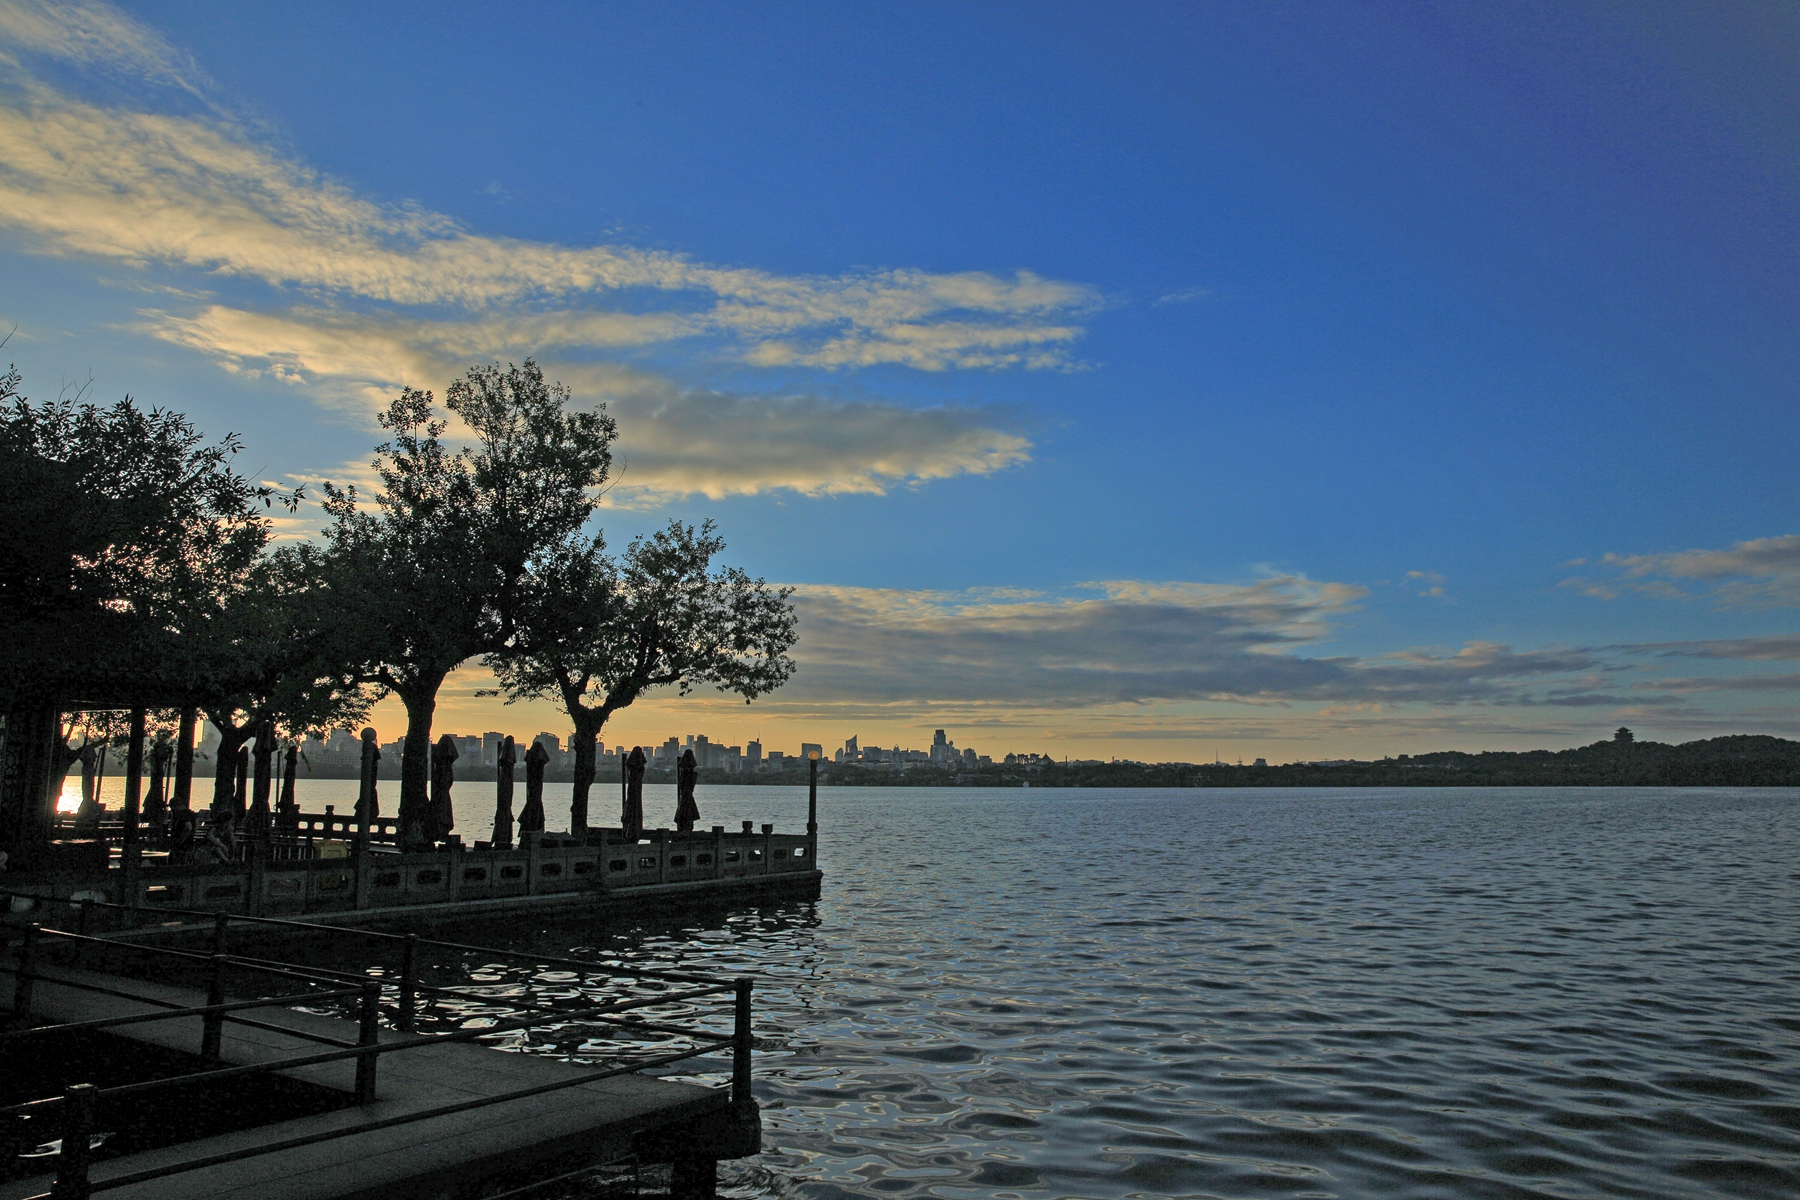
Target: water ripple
pixel 1468 993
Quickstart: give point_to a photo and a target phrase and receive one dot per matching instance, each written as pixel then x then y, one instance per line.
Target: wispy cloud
pixel 1781 647
pixel 1133 642
pixel 1430 583
pixel 202 193
pixel 347 298
pixel 1182 296
pixel 674 441
pixel 97 35
pixel 1760 573
pixel 1729 683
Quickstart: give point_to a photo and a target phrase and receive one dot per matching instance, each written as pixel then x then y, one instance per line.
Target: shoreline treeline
pixel 1739 760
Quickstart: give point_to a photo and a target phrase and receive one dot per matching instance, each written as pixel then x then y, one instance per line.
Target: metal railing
pixel 80 1104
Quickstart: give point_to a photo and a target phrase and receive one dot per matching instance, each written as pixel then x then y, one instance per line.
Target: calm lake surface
pixel 1357 993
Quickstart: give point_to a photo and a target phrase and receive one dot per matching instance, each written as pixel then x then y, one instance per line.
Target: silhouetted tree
pixel 272 654
pixel 431 577
pixel 125 532
pixel 596 633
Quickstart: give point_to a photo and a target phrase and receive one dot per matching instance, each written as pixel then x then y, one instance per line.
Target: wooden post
pixel 362 874
pixel 741 1041
pixel 768 848
pixel 662 856
pixel 533 855
pixel 85 922
pixel 259 873
pixel 213 1023
pixel 718 851
pixel 409 982
pixel 812 817
pixel 79 1103
pixel 221 921
pixel 369 1035
pixel 22 982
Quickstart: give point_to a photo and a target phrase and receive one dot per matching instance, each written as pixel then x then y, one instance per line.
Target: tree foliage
pixel 597 632
pixel 430 578
pixel 126 532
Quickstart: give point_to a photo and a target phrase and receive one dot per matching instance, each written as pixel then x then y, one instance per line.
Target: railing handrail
pixel 78 1104
pixel 316 974
pixel 168 1015
pixel 640 972
pixel 213 1160
pixel 391 1047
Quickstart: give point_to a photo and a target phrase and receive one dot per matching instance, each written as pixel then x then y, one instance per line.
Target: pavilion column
pixel 134 785
pixel 29 783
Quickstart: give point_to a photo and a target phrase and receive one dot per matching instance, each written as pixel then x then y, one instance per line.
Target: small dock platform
pixel 442 1117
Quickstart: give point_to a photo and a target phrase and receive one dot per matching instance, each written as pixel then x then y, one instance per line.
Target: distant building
pixel 811 750
pixel 943 750
pixel 753 753
pixel 490 747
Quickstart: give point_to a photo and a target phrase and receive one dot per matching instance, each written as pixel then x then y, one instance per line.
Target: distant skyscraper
pixel 490 747
pixel 753 753
pixel 811 750
pixel 851 752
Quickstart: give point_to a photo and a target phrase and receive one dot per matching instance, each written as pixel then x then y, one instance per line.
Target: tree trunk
pixel 231 740
pixel 415 763
pixel 587 731
pixel 182 797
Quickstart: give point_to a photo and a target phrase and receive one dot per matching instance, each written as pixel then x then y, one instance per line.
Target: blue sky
pixel 1154 381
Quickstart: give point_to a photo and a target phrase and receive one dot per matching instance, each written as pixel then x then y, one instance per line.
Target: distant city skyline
pixel 1161 382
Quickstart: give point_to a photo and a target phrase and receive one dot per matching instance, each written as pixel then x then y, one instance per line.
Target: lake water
pixel 1358 993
